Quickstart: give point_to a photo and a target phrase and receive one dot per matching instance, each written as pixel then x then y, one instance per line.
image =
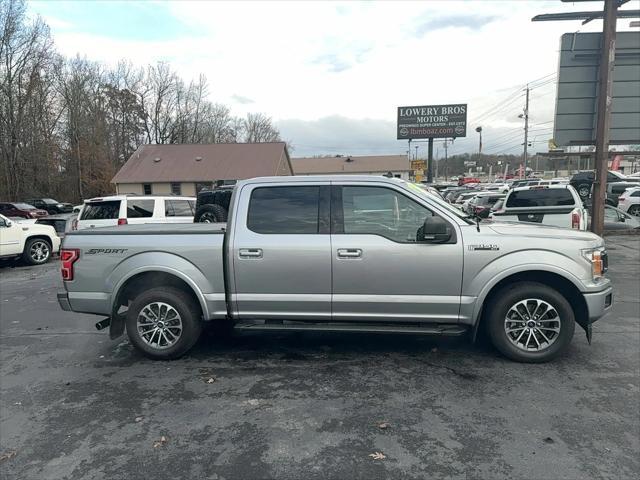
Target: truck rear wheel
pixel 163 323
pixel 210 214
pixel 530 322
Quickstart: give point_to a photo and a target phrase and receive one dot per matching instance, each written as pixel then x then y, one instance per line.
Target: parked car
pixel 525 182
pixel 23 210
pixel 616 219
pixel 50 205
pixel 558 205
pixel 212 205
pixel 614 190
pixel 464 197
pixel 629 201
pixel 449 193
pixel 467 180
pixel 62 224
pixel 481 204
pixel 134 209
pixel 582 181
pixel 34 243
pixel 341 253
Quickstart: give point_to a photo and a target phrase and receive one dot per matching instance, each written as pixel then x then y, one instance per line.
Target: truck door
pixel 281 249
pixel 380 268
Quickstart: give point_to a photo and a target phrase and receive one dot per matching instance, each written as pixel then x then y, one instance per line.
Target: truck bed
pixel 111 256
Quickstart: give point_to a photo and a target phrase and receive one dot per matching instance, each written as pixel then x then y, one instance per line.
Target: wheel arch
pixel 144 279
pixel 566 287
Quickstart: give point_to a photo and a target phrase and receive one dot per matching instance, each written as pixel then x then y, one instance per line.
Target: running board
pixel 413 329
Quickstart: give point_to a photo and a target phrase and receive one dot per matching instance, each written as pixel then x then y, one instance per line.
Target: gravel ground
pixel 75 405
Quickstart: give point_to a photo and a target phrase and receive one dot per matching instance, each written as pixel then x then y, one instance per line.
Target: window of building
pixel 146 188
pixel 140 208
pixel 178 208
pixel 382 211
pixel 203 186
pixel 176 188
pixel 284 210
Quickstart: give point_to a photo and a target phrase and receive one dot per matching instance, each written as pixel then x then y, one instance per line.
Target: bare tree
pixel 259 128
pixel 25 57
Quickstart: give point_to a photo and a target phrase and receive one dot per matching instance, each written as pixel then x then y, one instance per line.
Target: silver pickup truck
pixel 339 253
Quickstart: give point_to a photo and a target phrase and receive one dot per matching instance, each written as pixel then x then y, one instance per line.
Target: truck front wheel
pixel 163 323
pixel 530 322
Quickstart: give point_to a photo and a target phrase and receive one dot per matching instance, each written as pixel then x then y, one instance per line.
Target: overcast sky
pixel 332 74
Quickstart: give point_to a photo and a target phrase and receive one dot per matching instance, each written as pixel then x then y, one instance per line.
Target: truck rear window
pixel 101 210
pixel 543 197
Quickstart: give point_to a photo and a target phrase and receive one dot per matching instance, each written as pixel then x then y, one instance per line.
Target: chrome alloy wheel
pixel 39 251
pixel 532 325
pixel 159 325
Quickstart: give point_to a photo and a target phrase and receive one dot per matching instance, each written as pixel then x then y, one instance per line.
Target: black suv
pixel 212 206
pixel 50 205
pixel 582 181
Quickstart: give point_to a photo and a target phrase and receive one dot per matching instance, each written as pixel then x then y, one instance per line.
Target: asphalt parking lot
pixel 76 405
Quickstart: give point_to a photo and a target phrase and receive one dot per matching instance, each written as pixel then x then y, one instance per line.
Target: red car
pixel 465 180
pixel 23 210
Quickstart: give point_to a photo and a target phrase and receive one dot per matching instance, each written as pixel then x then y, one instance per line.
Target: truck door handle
pixel 250 253
pixel 349 253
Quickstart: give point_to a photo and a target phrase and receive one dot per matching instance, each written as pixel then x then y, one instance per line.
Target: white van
pixel 135 209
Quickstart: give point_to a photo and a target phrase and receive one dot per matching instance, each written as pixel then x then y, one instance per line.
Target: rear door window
pixel 140 208
pixel 284 210
pixel 178 208
pixel 543 197
pixel 107 210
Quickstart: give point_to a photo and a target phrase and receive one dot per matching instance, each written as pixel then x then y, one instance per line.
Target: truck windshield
pixel 441 203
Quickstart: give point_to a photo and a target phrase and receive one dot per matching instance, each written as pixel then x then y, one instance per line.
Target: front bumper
pixel 599 303
pixel 63 301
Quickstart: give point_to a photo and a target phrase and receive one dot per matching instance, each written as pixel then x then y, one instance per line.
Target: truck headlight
pixel 597 257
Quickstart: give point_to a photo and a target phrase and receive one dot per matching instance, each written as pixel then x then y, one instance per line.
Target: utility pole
pixel 607 57
pixel 416 157
pixel 430 162
pixel 526 131
pixel 446 172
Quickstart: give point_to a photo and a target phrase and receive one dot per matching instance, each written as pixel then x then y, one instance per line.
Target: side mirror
pixel 435 230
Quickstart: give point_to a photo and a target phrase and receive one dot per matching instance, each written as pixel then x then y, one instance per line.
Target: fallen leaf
pixel 383 425
pixel 253 401
pixel 138 419
pixel 378 456
pixel 101 356
pixel 7 456
pixel 434 350
pixel 549 440
pixel 211 380
pixel 18 403
pixel 160 443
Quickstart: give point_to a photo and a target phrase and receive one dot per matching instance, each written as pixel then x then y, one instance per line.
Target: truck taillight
pixel 575 220
pixel 122 221
pixel 68 256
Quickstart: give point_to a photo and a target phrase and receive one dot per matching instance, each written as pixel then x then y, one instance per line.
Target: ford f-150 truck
pixel 340 253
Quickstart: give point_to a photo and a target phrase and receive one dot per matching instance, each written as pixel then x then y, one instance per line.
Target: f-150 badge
pixel 483 247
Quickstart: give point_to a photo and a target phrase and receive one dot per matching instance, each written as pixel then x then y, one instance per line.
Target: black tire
pixel 37 251
pixel 584 190
pixel 634 210
pixel 210 214
pixel 501 305
pixel 189 316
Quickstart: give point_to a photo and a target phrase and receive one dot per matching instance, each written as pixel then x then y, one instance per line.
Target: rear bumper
pixel 63 301
pixel 599 303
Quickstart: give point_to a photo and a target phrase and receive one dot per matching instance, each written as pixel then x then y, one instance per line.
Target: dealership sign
pixel 432 121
